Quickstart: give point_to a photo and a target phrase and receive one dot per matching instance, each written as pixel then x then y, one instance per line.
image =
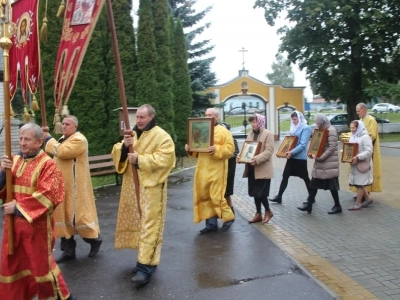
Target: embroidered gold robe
pixel 156 158
pixel 210 179
pixel 71 156
pixel 38 187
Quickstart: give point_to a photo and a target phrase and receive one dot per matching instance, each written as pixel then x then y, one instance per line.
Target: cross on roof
pixel 243 50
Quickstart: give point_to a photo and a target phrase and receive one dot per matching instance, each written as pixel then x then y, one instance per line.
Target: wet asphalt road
pixel 239 264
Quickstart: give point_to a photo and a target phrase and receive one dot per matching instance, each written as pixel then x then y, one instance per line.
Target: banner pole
pixel 6 44
pixel 121 86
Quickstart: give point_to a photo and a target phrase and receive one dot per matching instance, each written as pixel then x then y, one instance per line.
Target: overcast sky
pixel 234 25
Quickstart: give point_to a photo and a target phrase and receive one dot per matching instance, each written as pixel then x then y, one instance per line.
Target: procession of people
pixel 56 195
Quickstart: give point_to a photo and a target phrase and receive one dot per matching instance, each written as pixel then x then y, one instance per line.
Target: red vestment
pixel 38 187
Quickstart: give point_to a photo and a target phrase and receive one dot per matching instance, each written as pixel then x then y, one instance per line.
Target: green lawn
pixel 389 137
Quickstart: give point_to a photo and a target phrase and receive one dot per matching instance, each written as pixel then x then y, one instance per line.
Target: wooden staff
pixel 128 130
pixel 6 44
pixel 42 101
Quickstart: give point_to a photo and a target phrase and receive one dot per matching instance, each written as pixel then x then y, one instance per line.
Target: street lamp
pixel 244 120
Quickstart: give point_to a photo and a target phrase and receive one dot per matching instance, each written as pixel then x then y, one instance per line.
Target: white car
pixel 385 107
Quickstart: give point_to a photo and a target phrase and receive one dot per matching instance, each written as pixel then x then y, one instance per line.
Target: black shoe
pixel 65 257
pixel 140 279
pixel 307 208
pixel 207 230
pixel 95 247
pixel 335 210
pixel 227 225
pixel 277 199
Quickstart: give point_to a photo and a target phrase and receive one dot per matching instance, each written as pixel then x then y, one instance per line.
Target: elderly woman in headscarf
pixel 260 170
pixel 296 164
pixel 361 172
pixel 325 173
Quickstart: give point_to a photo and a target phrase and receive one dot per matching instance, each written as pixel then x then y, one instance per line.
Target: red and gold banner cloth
pixel 79 22
pixel 24 53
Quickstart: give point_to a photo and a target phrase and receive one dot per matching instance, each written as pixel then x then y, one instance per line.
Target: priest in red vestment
pixel 38 187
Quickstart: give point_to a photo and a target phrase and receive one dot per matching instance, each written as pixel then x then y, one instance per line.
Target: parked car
pixel 339 121
pixel 385 107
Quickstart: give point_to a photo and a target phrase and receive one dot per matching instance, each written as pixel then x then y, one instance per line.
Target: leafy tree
pixel 340 43
pixel 282 73
pixel 182 89
pixel 199 67
pixel 164 91
pixel 147 57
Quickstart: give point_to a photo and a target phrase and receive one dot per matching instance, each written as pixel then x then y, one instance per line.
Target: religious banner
pixel 24 53
pixel 79 22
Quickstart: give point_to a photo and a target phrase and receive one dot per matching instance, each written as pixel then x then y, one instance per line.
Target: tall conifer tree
pixel 199 65
pixel 182 89
pixel 146 88
pixel 165 117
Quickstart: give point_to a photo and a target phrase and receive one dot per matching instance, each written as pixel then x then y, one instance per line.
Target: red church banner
pixel 79 22
pixel 24 53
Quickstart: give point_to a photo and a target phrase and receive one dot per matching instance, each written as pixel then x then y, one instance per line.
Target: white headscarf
pixel 354 136
pixel 300 124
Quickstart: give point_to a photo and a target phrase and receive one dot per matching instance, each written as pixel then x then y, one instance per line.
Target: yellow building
pixel 245 95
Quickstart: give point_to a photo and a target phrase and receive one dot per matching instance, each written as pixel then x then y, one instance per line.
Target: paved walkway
pixel 355 254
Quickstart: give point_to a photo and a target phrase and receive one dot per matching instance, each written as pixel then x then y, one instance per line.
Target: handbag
pixel 363 166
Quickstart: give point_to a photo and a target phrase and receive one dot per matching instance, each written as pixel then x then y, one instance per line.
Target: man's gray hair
pixel 362 105
pixel 73 118
pixel 214 111
pixel 37 130
pixel 150 109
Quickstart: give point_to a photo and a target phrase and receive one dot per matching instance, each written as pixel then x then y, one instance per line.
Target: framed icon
pixel 249 150
pixel 288 143
pixel 200 134
pixel 349 151
pixel 318 142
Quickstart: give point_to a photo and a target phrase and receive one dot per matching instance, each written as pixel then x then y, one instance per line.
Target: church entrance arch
pixel 284 113
pixel 238 108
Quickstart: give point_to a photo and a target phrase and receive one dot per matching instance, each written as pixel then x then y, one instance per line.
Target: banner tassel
pixel 43 30
pixel 27 116
pixel 34 104
pixel 57 123
pixel 65 111
pixel 12 113
pixel 61 9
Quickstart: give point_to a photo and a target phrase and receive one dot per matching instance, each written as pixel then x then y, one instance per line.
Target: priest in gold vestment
pixel 372 127
pixel 211 178
pixel 154 157
pixel 77 214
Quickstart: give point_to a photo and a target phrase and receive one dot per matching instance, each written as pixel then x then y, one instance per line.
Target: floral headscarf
pixel 302 122
pixel 260 121
pixel 322 121
pixel 354 136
